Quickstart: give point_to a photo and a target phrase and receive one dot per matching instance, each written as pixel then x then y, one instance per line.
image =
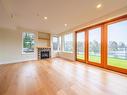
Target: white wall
pixel 41 43
pixel 11 47
pixel 71 56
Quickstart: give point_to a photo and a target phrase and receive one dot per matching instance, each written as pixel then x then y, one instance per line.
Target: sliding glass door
pixel 104 45
pixel 88 45
pixel 94 50
pixel 80 54
pixel 117 44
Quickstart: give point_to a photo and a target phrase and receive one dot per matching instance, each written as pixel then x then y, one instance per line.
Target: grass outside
pixel 96 59
pixel 80 56
pixel 121 63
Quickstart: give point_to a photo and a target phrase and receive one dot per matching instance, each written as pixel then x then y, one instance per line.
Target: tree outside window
pixel 55 43
pixel 68 43
pixel 28 42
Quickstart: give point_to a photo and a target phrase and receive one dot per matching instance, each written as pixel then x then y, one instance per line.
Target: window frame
pixel 81 60
pixel 29 53
pixel 122 70
pixel 91 62
pixel 104 46
pixel 57 43
pixel 64 42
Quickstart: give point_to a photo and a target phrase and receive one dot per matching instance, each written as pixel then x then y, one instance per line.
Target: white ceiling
pixel 29 13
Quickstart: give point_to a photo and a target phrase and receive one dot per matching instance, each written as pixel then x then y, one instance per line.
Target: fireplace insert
pixel 44 53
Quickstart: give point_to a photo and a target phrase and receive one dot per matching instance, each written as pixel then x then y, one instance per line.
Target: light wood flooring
pixel 59 77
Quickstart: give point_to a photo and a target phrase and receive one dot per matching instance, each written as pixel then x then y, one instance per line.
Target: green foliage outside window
pixel 28 42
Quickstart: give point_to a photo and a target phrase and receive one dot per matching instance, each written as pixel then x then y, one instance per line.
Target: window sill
pixel 55 50
pixel 23 53
pixel 66 52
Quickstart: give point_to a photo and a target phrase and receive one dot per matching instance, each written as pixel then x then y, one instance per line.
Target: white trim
pixel 67 52
pixel 24 53
pixel 57 43
pixel 72 42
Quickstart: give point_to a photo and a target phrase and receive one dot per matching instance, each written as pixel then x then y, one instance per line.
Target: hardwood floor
pixel 59 77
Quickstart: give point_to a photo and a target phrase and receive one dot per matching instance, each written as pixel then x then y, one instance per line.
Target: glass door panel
pixel 95 45
pixel 117 44
pixel 81 45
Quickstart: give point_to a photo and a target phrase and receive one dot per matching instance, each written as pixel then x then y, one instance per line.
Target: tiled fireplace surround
pixel 44 53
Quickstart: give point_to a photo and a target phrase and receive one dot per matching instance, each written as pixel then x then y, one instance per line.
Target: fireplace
pixel 44 53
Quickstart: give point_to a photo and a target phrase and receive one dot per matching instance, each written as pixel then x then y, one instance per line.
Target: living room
pixel 63 47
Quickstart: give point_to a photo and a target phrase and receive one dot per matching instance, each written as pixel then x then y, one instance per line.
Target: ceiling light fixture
pixel 45 18
pixel 99 6
pixel 65 25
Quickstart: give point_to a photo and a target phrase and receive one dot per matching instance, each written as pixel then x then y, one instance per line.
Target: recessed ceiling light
pixel 99 6
pixel 45 18
pixel 65 25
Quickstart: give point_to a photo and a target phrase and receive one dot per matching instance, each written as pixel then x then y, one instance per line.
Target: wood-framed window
pixel 80 46
pixel 106 44
pixel 94 45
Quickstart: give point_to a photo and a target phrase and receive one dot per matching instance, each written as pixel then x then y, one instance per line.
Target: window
pixel 68 43
pixel 60 43
pixel 81 45
pixel 117 44
pixel 95 45
pixel 105 44
pixel 28 42
pixel 55 43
